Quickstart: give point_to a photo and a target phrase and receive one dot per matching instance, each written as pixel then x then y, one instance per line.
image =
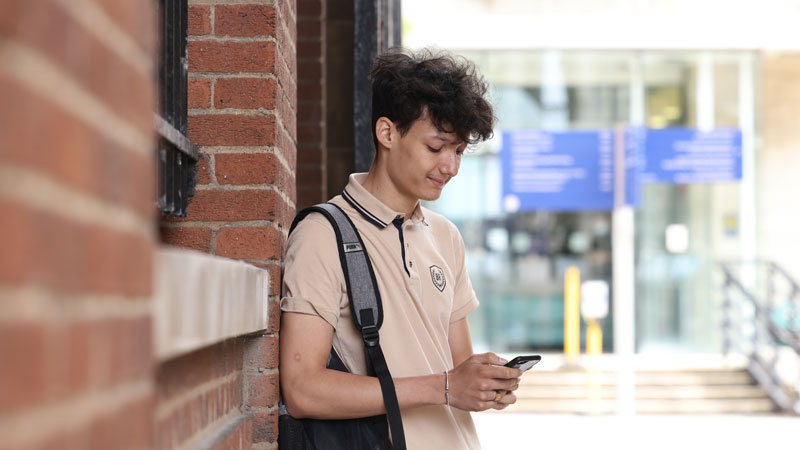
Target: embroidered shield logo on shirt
pixel 437 275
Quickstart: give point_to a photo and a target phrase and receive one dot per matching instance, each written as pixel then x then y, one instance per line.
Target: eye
pixel 434 150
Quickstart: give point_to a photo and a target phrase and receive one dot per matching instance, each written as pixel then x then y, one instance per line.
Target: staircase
pixel 703 389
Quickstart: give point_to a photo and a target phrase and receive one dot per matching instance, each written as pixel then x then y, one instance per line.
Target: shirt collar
pixel 372 209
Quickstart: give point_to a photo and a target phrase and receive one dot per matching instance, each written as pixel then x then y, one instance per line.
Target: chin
pixel 431 196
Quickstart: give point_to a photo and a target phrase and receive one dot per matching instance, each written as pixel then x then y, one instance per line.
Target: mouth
pixel 438 183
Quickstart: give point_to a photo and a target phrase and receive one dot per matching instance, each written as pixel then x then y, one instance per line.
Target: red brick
pixel 249 242
pixel 184 372
pixel 78 438
pixel 127 428
pixel 288 115
pixel 244 20
pixel 204 171
pixel 231 129
pixel 245 93
pixel 265 426
pixel 249 168
pixel 261 352
pixel 231 57
pixel 288 19
pixel 199 20
pixel 274 323
pixel 91 63
pixel 103 352
pixel 23 379
pixel 288 148
pixel 55 252
pixel 70 151
pixel 187 237
pixel 262 390
pixel 199 93
pixel 114 261
pixel 233 206
pixel 137 19
pixel 80 363
pixel 131 348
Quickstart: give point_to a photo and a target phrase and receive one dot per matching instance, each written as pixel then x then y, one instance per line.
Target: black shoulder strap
pixel 365 305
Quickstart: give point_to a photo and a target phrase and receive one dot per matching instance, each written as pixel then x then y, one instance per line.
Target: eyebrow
pixel 448 141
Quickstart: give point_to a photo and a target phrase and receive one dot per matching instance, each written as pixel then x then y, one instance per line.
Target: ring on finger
pixel 498 395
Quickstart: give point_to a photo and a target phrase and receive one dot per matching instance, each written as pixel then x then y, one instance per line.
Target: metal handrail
pixel 760 336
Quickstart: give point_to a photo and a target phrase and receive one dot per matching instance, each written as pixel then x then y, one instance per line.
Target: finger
pixel 497 384
pixel 487 396
pixel 488 358
pixel 499 395
pixel 508 399
pixel 495 371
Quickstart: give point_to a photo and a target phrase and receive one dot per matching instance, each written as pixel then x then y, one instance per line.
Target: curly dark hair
pixel 405 84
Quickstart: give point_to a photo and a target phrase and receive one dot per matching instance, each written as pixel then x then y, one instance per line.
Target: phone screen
pixel 524 363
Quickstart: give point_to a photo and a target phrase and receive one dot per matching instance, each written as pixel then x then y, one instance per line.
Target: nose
pixel 449 163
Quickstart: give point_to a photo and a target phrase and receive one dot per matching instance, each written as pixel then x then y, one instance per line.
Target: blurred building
pixel 580 65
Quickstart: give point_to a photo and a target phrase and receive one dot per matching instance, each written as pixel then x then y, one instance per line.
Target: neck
pixel 380 185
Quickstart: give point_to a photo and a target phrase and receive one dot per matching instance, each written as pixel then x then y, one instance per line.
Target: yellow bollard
pixel 594 338
pixel 572 320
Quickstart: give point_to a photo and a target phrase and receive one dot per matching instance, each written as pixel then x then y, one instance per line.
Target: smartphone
pixel 524 363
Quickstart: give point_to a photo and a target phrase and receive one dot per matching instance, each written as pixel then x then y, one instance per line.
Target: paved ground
pixel 501 431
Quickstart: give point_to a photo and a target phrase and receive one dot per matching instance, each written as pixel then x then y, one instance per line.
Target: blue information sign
pixel 684 155
pixel 574 170
pixel 566 171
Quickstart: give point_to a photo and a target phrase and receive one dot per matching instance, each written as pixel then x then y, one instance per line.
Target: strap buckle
pixel 370 334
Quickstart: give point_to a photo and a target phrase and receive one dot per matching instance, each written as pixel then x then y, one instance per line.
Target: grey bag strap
pixel 362 289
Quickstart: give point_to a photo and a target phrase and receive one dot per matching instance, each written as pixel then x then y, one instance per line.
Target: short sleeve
pixel 313 282
pixel 464 299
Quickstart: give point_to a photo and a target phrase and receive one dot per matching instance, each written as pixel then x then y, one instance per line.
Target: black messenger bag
pixel 367 433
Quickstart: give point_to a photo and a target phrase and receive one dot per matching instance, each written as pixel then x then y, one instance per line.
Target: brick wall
pixel 76 190
pixel 242 116
pixel 312 103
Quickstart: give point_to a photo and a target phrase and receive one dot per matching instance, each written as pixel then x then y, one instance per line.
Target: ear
pixel 383 131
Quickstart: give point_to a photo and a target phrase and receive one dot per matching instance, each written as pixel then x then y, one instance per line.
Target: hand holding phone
pixel 524 363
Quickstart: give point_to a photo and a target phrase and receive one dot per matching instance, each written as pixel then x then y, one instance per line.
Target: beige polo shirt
pixel 420 271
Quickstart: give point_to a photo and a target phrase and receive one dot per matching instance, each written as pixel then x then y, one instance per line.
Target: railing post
pixel 726 315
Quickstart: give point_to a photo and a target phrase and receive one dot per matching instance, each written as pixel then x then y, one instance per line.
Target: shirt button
pixel 411 264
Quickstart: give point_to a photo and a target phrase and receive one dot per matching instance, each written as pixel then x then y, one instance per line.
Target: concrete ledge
pixel 201 299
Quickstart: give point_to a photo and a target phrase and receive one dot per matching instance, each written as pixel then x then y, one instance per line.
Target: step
pixel 642 392
pixel 695 377
pixel 678 406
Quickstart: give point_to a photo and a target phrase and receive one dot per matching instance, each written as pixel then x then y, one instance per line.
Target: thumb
pixel 488 358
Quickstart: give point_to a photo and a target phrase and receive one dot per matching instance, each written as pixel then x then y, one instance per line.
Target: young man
pixel 425 110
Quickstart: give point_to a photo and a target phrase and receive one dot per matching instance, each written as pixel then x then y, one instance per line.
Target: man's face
pixel 423 160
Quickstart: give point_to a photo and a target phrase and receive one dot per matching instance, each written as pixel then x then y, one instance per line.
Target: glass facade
pixel 517 260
